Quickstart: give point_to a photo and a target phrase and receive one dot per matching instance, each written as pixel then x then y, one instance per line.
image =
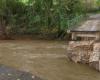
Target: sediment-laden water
pixel 46 59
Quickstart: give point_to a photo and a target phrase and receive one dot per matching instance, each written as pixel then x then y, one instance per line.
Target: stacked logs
pixel 85 52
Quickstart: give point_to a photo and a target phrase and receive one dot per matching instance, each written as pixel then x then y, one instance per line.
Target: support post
pixel 97 36
pixel 74 37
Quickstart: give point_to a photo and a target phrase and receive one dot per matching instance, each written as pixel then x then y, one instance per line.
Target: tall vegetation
pixel 46 17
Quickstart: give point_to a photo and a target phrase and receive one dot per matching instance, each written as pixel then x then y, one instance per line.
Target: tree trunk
pixel 3 34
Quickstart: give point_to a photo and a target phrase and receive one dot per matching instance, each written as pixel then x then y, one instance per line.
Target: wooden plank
pixel 86 35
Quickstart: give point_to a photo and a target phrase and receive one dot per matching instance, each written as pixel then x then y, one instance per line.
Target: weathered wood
pixel 74 37
pixel 89 25
pixel 85 52
pixel 86 35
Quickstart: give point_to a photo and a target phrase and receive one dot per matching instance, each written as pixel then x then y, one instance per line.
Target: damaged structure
pixel 85 44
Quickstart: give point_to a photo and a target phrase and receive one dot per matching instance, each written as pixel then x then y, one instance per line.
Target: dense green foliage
pixel 51 16
pixel 45 17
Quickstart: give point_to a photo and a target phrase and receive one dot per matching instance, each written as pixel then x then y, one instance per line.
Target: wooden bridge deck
pixel 92 24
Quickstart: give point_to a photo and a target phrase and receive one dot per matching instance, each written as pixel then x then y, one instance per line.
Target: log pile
pixel 95 57
pixel 86 52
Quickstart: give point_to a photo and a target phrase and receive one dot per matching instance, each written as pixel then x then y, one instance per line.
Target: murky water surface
pixel 46 59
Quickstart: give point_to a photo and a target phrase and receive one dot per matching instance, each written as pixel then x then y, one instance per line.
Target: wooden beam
pixel 86 35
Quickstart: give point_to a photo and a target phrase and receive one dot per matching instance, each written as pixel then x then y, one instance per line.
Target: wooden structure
pixel 89 31
pixel 86 51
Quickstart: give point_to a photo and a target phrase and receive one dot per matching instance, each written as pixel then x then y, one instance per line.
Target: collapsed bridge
pixel 85 44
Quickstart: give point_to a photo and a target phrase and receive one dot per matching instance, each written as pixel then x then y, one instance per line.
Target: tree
pixel 38 16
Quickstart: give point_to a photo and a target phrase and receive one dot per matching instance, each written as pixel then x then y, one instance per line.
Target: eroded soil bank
pixel 46 59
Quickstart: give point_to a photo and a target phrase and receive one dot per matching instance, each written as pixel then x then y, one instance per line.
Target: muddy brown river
pixel 46 59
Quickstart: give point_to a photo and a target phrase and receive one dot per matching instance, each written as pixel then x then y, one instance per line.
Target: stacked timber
pixel 80 51
pixel 85 52
pixel 95 57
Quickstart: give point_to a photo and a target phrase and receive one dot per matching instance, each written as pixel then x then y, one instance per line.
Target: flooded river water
pixel 46 59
